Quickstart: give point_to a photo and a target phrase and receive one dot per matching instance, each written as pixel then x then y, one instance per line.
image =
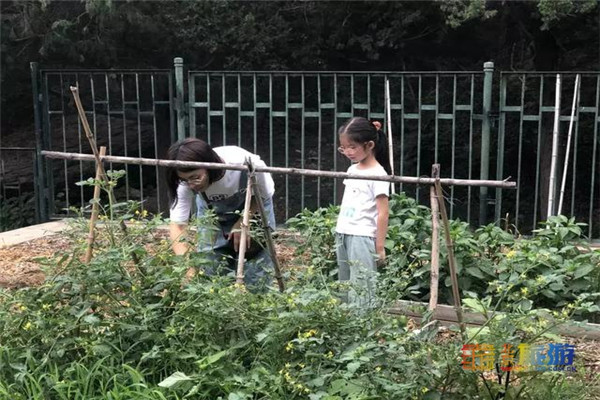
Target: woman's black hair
pixel 190 149
pixel 361 130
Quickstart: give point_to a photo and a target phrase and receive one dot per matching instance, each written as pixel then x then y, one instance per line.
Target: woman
pixel 223 191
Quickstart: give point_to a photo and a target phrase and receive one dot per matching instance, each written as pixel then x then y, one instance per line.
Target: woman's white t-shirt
pixel 225 187
pixel 358 212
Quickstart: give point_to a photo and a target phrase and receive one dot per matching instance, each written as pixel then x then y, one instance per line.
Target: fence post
pixel 179 102
pixel 41 214
pixel 488 69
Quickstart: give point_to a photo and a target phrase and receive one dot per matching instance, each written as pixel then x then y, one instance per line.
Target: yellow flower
pixel 524 291
pixel 309 333
pixel 289 347
pixel 46 306
pixel 27 326
pixel 329 354
pixel 378 368
pixel 301 365
pixel 211 290
pixel 511 254
pixel 23 308
pixel 134 288
pixel 137 212
pixel 144 213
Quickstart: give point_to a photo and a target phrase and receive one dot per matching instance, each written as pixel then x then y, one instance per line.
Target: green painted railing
pixel 291 119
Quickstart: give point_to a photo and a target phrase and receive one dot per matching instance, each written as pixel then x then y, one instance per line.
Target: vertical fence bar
pixel 419 119
pixel 139 132
pixel 208 110
pixel 538 156
pixel 178 63
pixel 191 108
pixel 173 134
pixel 41 214
pixel 154 127
pixel 287 145
pixel 47 144
pixel 471 105
pixel 500 152
pixel 255 117
pixel 520 149
pixel 125 151
pixel 436 124
pixel 270 119
pixel 239 107
pixel 64 143
pixel 402 103
pixel 224 111
pixel 594 154
pixel 302 154
pixel 488 69
pixel 452 166
pixel 109 126
pixel 320 119
pixel 335 138
pixel 79 143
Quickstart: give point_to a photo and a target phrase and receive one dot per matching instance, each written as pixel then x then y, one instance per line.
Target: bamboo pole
pixel 554 160
pixel 267 229
pixel 568 149
pixel 245 234
pixel 505 184
pixel 90 137
pixel 95 207
pixel 435 241
pixel 388 117
pixel 451 259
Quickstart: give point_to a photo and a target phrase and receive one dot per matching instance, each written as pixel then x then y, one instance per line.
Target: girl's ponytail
pixel 381 150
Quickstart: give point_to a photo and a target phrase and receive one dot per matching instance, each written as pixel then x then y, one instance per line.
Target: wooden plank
pixel 447 316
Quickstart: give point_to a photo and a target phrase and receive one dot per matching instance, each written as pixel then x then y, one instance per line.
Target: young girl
pixel 363 221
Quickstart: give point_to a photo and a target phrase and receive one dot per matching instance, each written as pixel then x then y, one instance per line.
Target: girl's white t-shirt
pixel 225 187
pixel 358 212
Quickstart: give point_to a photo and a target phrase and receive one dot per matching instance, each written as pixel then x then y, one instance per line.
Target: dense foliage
pixel 128 325
pixel 553 268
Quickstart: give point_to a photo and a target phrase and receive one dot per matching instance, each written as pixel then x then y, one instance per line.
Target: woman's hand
pixel 236 236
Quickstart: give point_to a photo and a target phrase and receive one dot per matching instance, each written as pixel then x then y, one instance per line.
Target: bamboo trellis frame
pixel 435 181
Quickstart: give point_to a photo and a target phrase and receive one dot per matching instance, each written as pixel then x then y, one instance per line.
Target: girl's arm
pixel 383 213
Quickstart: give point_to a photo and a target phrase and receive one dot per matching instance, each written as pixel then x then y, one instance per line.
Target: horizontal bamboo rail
pixel 505 184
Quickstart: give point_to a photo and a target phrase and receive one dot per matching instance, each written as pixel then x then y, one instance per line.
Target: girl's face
pixel 197 179
pixel 355 151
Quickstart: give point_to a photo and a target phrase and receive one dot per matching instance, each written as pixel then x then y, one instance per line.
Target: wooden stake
pixel 245 234
pixel 266 229
pixel 91 140
pixel 95 207
pixel 435 241
pixel 451 259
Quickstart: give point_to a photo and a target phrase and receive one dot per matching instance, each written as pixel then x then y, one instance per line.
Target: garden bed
pixel 141 325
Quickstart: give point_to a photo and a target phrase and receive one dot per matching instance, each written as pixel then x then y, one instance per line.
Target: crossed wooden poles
pixel 436 194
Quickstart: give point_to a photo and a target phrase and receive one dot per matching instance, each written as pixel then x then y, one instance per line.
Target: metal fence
pixel 291 119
